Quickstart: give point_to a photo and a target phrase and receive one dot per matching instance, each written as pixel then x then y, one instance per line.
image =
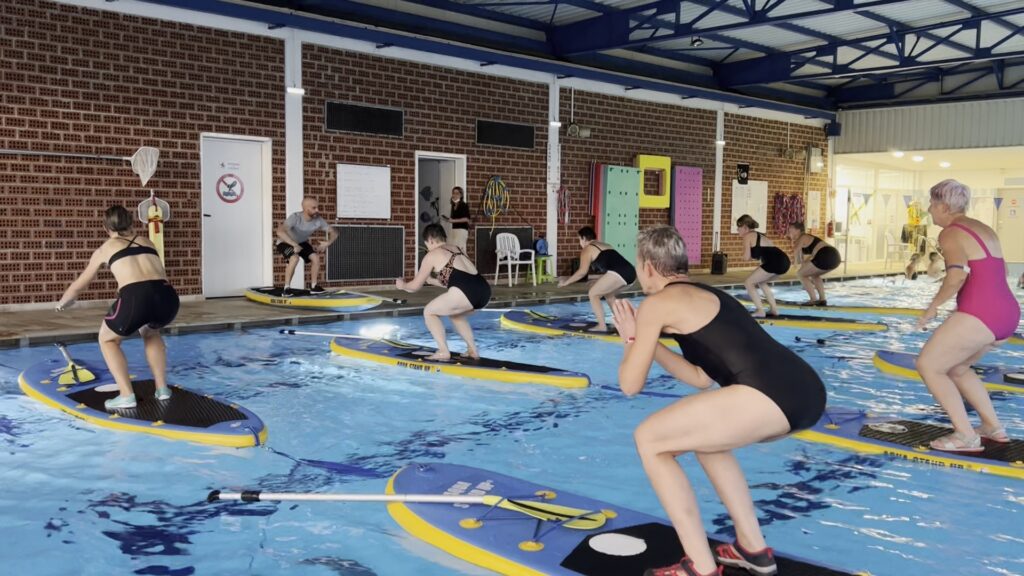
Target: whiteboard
pixel 364 191
pixel 750 198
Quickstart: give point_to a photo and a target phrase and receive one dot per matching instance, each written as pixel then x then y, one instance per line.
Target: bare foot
pixel 758 314
pixel 475 355
pixel 438 357
pixel 598 328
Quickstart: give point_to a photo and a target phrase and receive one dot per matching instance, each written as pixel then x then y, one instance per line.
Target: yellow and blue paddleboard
pixel 1016 340
pixel 413 356
pixel 613 540
pixel 908 439
pixel 187 415
pixel 540 323
pixel 880 310
pixel 334 301
pixel 995 377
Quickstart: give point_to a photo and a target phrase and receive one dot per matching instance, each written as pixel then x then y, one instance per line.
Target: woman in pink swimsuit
pixel 986 314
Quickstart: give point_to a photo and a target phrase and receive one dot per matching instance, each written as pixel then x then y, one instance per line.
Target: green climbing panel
pixel 620 211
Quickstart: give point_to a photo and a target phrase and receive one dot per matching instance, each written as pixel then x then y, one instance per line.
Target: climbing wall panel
pixel 686 209
pixel 621 209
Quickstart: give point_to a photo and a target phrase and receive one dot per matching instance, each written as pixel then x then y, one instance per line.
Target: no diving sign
pixel 230 188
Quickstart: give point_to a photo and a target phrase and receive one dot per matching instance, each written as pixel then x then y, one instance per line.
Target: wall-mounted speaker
pixel 833 129
pixel 742 173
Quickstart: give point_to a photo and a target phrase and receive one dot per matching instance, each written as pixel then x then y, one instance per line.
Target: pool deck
pixel 38 327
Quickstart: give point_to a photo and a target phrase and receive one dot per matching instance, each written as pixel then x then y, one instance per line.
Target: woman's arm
pixel 748 242
pixel 426 267
pixel 798 253
pixel 681 368
pixel 585 260
pixel 956 275
pixel 83 280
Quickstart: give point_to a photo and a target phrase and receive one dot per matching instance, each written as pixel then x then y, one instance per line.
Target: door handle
pixel 207 216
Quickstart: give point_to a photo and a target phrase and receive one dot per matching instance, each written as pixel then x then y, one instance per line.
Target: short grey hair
pixel 955 194
pixel 664 249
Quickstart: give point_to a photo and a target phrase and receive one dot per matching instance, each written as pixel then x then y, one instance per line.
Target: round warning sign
pixel 230 188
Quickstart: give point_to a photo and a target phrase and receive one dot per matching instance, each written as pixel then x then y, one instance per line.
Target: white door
pixel 1010 225
pixel 236 214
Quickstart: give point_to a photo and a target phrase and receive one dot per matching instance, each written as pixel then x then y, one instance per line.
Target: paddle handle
pixel 260 496
pixel 325 334
pixel 64 352
pixel 378 297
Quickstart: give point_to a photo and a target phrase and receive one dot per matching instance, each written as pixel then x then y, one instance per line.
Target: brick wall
pixel 441 109
pixel 84 81
pixel 623 128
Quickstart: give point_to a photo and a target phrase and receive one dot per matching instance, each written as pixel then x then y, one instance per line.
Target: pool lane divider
pixel 415 357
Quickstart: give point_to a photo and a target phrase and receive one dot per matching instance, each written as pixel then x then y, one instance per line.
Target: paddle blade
pixel 569 517
pixel 75 374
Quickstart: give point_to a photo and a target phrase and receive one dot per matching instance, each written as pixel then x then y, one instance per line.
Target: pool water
pixel 77 499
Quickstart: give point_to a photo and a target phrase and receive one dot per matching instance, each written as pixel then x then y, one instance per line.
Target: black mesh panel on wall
pixel 366 253
pixel 487 244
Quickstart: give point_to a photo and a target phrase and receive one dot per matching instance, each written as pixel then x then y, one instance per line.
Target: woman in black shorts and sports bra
pixel 618 273
pixel 765 392
pixel 468 291
pixel 146 302
pixel 815 258
pixel 757 246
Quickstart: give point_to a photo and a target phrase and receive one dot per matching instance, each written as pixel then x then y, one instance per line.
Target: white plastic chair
pixel 894 248
pixel 509 253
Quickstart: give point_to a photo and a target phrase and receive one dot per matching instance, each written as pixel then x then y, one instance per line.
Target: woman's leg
pixel 607 285
pixel 758 278
pixel 110 347
pixel 450 303
pixel 461 324
pixel 960 338
pixel 804 275
pixel 708 422
pixel 156 355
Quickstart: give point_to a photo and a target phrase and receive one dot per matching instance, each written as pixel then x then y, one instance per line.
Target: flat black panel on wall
pixel 504 134
pixel 366 253
pixel 344 117
pixel 487 245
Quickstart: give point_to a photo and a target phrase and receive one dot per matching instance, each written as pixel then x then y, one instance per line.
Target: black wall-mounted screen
pixel 504 134
pixel 366 253
pixel 343 117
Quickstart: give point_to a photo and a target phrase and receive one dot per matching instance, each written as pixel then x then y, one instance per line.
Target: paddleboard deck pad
pixel 908 439
pixel 338 300
pixel 881 310
pixel 185 416
pixel 513 543
pixel 540 323
pixel 821 323
pixel 1000 378
pixel 413 356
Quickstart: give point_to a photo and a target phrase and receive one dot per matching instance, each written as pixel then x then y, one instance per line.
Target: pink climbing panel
pixel 686 208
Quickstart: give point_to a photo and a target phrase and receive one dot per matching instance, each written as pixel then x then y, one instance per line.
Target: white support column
pixel 716 221
pixel 293 171
pixel 554 173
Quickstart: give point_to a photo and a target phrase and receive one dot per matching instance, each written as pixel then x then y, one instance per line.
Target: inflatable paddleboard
pixel 337 301
pixel 883 310
pixel 406 355
pixel 186 416
pixel 821 323
pixel 995 377
pixel 540 323
pixel 614 541
pixel 1016 340
pixel 908 439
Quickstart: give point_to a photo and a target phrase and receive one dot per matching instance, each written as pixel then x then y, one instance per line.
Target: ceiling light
pixel 555 124
pixel 897 154
pixel 719 142
pixel 696 42
pixel 918 158
pixel 944 164
pixel 296 90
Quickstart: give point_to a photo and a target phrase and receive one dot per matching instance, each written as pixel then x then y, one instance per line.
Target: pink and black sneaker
pixel 761 562
pixel 684 567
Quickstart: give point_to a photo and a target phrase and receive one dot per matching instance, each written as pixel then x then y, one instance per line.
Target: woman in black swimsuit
pixel 765 392
pixel 146 302
pixel 815 258
pixel 618 273
pixel 757 246
pixel 468 291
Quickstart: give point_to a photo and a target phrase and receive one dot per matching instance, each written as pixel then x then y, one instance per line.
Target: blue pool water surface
pixel 78 499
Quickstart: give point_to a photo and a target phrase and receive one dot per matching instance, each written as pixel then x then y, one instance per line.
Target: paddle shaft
pixel 325 334
pixel 260 496
pixel 64 352
pixel 824 342
pixel 392 300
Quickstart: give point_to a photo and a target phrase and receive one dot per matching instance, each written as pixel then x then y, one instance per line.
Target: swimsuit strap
pixel 974 235
pixel 758 241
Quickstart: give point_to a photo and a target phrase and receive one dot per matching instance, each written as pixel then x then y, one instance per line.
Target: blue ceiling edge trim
pixel 412 42
pixel 866 105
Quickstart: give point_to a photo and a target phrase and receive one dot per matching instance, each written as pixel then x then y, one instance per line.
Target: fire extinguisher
pixel 829 232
